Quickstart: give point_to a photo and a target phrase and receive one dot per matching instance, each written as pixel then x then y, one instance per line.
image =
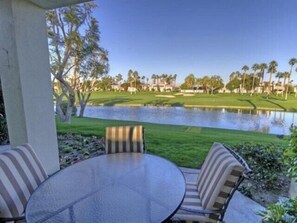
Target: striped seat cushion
pixel 192 201
pixel 219 174
pixel 124 139
pixel 21 173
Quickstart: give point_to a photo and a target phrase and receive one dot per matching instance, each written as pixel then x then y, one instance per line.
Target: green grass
pixel 203 100
pixel 186 146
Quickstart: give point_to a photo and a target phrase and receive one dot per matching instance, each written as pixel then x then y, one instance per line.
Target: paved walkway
pixel 241 208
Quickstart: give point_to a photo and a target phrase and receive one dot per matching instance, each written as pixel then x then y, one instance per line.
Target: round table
pixel 122 187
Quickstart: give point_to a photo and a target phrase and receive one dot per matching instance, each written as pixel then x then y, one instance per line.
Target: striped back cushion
pixel 20 174
pixel 219 174
pixel 124 139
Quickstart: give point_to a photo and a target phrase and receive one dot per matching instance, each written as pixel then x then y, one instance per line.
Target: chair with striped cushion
pixel 206 199
pixel 21 173
pixel 121 139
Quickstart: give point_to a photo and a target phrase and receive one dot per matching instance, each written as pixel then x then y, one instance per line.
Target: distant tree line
pixel 246 81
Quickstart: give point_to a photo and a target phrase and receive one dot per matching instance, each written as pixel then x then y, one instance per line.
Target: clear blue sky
pixel 203 37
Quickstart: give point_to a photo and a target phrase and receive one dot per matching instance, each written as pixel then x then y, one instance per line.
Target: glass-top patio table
pixel 122 187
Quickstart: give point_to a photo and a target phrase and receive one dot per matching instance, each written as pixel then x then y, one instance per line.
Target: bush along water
pixel 285 210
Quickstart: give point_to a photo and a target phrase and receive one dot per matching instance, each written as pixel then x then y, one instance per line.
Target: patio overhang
pixel 25 76
pixel 52 4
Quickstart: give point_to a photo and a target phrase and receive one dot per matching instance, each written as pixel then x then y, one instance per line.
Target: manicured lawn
pixel 186 146
pixel 203 100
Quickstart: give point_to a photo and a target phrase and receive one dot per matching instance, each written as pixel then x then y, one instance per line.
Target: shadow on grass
pixel 111 101
pixel 177 104
pixel 158 102
pixel 271 97
pixel 274 103
pixel 250 102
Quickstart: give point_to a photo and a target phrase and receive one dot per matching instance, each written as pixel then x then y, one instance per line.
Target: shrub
pixel 284 211
pixel 266 161
pixel 3 125
pixel 291 153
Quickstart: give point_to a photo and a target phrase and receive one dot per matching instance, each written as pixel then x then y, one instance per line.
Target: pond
pixel 274 122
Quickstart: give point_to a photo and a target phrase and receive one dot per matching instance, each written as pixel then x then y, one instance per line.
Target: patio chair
pixel 207 199
pixel 122 139
pixel 21 173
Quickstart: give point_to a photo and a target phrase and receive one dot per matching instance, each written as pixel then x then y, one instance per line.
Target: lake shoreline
pixel 195 106
pixel 274 122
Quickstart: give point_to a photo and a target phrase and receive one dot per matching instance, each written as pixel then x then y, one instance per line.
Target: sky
pixel 203 37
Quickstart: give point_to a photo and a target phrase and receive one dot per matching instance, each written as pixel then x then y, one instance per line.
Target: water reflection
pixel 274 122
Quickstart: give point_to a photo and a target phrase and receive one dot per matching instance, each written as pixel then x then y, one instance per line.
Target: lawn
pixel 184 145
pixel 199 100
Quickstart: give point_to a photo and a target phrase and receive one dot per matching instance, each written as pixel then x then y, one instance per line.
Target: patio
pixel 241 208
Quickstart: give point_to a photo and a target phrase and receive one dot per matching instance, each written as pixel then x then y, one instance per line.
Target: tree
pixel 174 79
pixel 91 62
pixel 119 78
pixel 285 75
pixel 262 67
pixel 245 68
pixel 271 70
pixel 279 76
pixel 133 78
pixel 190 81
pixel 255 68
pixel 292 62
pixel 204 82
pixel 234 75
pixel 215 83
pixel 105 82
pixel 72 34
pixel 233 84
pixel 154 77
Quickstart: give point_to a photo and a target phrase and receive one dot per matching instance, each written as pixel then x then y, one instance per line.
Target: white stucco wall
pixel 25 76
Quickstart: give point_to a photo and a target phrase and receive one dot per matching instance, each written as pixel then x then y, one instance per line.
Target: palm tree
pixel 285 75
pixel 119 78
pixel 174 79
pixel 255 67
pixel 271 70
pixel 279 75
pixel 292 62
pixel 154 77
pixel 263 67
pixel 245 68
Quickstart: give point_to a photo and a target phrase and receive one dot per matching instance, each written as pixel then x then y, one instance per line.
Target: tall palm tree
pixel 285 75
pixel 263 67
pixel 271 70
pixel 255 67
pixel 245 68
pixel 119 78
pixel 279 76
pixel 154 78
pixel 292 62
pixel 174 79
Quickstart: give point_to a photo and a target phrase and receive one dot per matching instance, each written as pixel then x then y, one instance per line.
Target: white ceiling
pixel 51 4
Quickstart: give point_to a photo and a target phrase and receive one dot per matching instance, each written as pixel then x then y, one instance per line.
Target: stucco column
pixel 25 77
